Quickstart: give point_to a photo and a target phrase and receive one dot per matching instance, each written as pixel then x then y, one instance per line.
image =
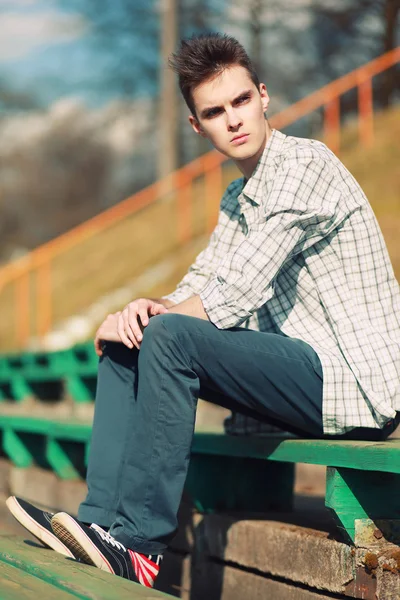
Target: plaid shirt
pixel 298 251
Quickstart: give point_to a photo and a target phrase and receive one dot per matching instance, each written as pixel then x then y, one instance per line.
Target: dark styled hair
pixel 205 56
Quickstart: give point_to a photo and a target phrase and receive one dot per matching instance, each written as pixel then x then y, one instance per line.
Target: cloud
pixel 22 33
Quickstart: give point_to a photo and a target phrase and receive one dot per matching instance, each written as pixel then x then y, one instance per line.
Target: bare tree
pixel 351 32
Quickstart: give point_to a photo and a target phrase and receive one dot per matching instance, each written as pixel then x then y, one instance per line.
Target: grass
pixel 117 256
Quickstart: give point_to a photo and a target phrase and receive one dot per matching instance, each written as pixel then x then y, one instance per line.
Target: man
pixel 290 315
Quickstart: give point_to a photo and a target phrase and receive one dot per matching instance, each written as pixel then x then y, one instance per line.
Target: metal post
pixel 184 196
pixel 332 124
pixel 213 193
pixel 44 298
pixel 167 153
pixel 365 113
pixel 21 311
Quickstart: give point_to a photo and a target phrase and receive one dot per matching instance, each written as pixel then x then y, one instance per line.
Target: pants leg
pixel 114 405
pixel 267 374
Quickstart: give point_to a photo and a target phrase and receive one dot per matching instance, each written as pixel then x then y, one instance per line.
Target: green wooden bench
pixel 235 473
pixel 49 375
pixel 31 572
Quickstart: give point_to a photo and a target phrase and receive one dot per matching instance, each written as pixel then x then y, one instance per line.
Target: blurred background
pixel 82 91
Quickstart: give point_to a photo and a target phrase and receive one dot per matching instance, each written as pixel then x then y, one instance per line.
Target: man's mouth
pixel 238 139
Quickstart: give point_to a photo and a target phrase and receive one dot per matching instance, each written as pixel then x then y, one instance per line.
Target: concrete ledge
pixel 295 553
pixel 218 582
pixel 301 555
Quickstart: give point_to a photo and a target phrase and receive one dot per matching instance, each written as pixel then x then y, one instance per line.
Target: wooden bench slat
pixel 364 455
pixel 367 456
pixel 74 578
pixel 16 584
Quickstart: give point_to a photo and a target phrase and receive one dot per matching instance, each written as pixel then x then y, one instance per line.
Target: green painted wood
pixel 76 579
pixel 16 449
pixel 20 388
pixel 77 389
pixel 71 430
pixel 369 456
pixel 20 585
pixel 59 460
pixel 353 494
pixel 220 483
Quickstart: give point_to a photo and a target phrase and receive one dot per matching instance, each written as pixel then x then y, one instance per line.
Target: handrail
pixel 208 166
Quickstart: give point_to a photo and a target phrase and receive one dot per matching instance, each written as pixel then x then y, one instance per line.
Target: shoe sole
pixel 41 533
pixel 68 530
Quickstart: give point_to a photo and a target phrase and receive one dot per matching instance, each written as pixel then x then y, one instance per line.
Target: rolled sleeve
pixel 301 209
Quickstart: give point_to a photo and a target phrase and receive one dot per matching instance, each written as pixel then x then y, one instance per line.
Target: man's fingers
pixel 98 345
pixel 122 334
pixel 132 327
pixel 158 309
pixel 144 317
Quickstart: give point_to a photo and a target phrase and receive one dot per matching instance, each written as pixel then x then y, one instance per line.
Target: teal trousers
pixel 145 413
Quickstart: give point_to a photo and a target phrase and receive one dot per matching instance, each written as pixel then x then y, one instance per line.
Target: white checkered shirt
pixel 298 250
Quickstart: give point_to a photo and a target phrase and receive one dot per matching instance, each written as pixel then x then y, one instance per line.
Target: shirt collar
pixel 272 149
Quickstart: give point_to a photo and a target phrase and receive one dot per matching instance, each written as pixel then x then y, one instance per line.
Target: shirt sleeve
pixel 301 208
pixel 205 264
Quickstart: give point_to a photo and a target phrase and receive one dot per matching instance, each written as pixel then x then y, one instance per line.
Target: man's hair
pixel 205 56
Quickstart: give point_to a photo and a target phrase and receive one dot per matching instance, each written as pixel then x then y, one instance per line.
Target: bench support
pixel 76 388
pixel 20 389
pixel 229 483
pixel 353 495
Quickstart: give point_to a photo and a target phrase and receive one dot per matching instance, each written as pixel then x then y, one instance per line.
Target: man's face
pixel 230 113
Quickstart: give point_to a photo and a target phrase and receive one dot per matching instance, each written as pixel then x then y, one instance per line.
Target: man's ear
pixel 196 126
pixel 264 96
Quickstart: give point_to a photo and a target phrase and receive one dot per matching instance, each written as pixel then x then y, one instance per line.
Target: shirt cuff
pixel 222 311
pixel 178 296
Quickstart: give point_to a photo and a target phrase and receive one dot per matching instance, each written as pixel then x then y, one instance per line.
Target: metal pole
pixel 167 154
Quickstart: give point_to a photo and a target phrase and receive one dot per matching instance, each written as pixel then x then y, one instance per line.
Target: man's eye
pixel 242 99
pixel 213 113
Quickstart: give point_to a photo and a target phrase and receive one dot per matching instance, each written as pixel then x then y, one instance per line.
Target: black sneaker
pixel 94 546
pixel 38 523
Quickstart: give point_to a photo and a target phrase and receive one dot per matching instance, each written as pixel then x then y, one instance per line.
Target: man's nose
pixel 234 120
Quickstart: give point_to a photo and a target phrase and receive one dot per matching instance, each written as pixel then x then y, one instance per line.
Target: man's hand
pixel 129 327
pixel 108 331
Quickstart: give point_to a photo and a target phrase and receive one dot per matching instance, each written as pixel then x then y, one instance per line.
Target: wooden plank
pixel 354 494
pixel 79 580
pixel 368 456
pixel 220 483
pixel 73 430
pixel 16 584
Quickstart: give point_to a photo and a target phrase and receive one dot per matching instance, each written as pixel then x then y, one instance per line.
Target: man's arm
pixel 164 301
pixel 302 207
pixel 193 307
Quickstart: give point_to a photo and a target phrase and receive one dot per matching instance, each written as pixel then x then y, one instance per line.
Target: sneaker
pixel 38 523
pixel 94 546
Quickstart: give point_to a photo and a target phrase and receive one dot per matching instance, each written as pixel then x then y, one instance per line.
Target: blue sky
pixel 47 48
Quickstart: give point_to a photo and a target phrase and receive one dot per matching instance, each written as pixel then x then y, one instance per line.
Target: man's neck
pixel 248 165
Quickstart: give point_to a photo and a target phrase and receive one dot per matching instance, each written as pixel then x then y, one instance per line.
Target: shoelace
pixel 107 537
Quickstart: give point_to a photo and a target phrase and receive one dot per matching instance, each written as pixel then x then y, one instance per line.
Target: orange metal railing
pixel 37 264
